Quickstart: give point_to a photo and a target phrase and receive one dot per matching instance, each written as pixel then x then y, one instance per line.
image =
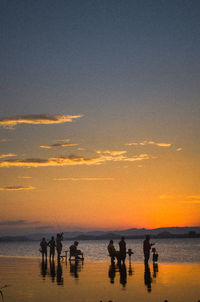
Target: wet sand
pixel 30 279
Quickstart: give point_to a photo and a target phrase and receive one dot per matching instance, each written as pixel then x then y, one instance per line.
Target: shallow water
pixel 170 250
pixel 30 280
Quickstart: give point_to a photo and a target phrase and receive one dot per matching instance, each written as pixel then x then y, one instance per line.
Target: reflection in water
pixel 155 269
pixel 113 268
pixel 75 268
pixel 147 277
pixel 59 277
pixel 52 270
pixel 44 268
pixel 123 274
pixel 112 273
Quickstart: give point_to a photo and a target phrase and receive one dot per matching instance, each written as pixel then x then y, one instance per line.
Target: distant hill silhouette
pixel 134 233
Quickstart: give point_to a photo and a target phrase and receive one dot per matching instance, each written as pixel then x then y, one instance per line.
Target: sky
pixel 99 115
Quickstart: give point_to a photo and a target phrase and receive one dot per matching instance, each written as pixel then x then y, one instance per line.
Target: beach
pixel 31 280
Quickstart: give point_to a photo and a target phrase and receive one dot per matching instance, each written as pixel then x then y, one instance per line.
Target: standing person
pixel 146 248
pixel 52 246
pixel 122 249
pixel 43 245
pixel 59 239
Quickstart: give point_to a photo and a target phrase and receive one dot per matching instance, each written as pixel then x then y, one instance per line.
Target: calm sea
pixel 169 250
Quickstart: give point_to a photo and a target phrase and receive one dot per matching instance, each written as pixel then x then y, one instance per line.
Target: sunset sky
pixel 99 115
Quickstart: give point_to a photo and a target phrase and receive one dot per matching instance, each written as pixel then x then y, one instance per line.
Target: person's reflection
pixel 130 271
pixel 44 268
pixel 112 273
pixel 155 269
pixel 75 267
pixel 59 278
pixel 52 270
pixel 123 274
pixel 147 277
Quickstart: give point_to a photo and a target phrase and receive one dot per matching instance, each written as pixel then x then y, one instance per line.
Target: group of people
pixel 53 245
pixel 113 253
pixel 57 245
pixel 121 254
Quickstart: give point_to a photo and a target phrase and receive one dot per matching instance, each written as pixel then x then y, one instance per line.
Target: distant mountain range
pixel 134 233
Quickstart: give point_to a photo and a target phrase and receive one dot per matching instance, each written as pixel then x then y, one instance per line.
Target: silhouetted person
pixel 52 270
pixel 59 239
pixel 146 248
pixel 52 245
pixel 59 274
pixel 122 250
pixel 147 277
pixel 44 268
pixel 75 252
pixel 43 246
pixel 112 252
pixel 123 275
pixel 112 273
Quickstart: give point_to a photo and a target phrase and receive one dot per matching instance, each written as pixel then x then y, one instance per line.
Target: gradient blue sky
pixel 131 68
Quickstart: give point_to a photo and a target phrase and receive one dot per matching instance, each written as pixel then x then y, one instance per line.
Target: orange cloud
pixel 85 178
pixel 7 155
pixel 111 152
pixel 58 145
pixel 36 119
pixel 16 188
pixel 70 161
pixel 144 143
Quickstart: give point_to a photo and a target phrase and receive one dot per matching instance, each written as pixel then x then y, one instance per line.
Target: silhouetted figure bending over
pixel 113 253
pixel 43 246
pixel 122 249
pixel 146 248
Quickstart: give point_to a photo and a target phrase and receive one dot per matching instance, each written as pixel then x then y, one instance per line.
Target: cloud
pixel 85 178
pixel 111 152
pixel 183 198
pixel 58 145
pixel 144 143
pixel 71 160
pixel 4 140
pixel 7 155
pixel 17 222
pixel 179 149
pixel 25 177
pixel 36 119
pixel 17 188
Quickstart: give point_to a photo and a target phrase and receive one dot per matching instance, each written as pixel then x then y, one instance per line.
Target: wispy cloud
pixel 17 188
pixel 71 160
pixel 24 177
pixel 17 222
pixel 85 178
pixel 179 149
pixel 144 143
pixel 36 119
pixel 58 145
pixel 183 198
pixel 4 140
pixel 111 152
pixel 7 155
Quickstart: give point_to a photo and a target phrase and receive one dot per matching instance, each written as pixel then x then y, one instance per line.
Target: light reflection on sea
pixel 170 250
pixel 31 280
